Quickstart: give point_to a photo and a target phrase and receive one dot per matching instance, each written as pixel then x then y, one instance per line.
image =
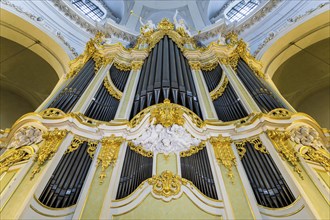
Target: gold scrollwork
pixel 281 143
pixel 113 91
pixel 92 145
pixel 52 140
pixel 122 66
pixel 165 24
pixel 320 156
pixel 13 156
pixel 166 184
pixel 210 66
pixel 174 115
pixel 90 51
pixel 75 143
pixel 280 113
pixel 140 150
pixel 137 65
pixel 218 91
pixel 109 153
pixel 52 113
pixel 224 154
pixel 167 114
pixel 195 65
pixel 255 141
pixel 193 150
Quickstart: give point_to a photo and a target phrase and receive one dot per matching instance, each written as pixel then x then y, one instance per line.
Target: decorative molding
pixel 39 19
pixel 107 28
pixel 66 43
pixel 113 91
pixel 290 21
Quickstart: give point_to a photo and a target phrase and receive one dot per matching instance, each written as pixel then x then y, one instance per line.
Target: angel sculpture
pixel 149 27
pixel 180 25
pixel 221 39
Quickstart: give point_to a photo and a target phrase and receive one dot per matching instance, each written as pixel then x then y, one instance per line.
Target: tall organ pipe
pixel 166 74
pixel 136 169
pixel 65 184
pixel 228 106
pixel 259 91
pixel 268 185
pixel 69 96
pixel 103 106
pixel 197 169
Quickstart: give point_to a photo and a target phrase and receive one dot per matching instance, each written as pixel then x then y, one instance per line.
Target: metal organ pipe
pixel 64 186
pixel 228 106
pixel 72 92
pixel 103 106
pixel 166 74
pixel 259 91
pixel 268 185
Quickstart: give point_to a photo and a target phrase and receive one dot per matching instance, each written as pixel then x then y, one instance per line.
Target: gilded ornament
pixel 281 143
pixel 52 113
pixel 280 113
pixel 166 184
pixel 165 24
pixel 15 155
pixel 255 141
pixel 75 143
pixel 52 140
pixel 319 156
pixel 193 150
pixel 140 150
pixel 92 145
pixel 224 154
pixel 219 90
pixel 195 65
pixel 210 66
pixel 122 66
pixel 113 91
pixel 167 114
pixel 137 65
pixel 109 153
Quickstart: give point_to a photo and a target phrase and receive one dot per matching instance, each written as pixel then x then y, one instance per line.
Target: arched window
pixel 241 9
pixel 89 9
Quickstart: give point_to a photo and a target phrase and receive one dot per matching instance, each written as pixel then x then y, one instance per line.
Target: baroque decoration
pixel 52 140
pixel 224 153
pixel 160 139
pixel 285 149
pixel 166 185
pixel 109 153
pixel 309 145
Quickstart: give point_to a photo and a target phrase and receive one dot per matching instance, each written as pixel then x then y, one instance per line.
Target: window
pixel 242 9
pixel 89 9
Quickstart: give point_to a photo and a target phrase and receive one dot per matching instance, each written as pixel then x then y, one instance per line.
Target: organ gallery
pixel 165 129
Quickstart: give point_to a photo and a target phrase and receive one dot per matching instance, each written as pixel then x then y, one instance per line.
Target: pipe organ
pixel 161 130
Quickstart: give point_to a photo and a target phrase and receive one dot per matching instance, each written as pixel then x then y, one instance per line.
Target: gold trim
pixel 224 153
pixel 112 89
pixel 48 215
pixel 219 90
pixel 284 215
pixel 51 208
pixel 282 208
pixel 140 150
pixel 193 150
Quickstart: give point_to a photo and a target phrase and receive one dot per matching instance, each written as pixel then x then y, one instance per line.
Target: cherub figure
pixel 149 27
pixel 180 24
pixel 221 39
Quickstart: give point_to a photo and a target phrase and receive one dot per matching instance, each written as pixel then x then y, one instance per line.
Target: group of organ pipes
pixel 166 75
